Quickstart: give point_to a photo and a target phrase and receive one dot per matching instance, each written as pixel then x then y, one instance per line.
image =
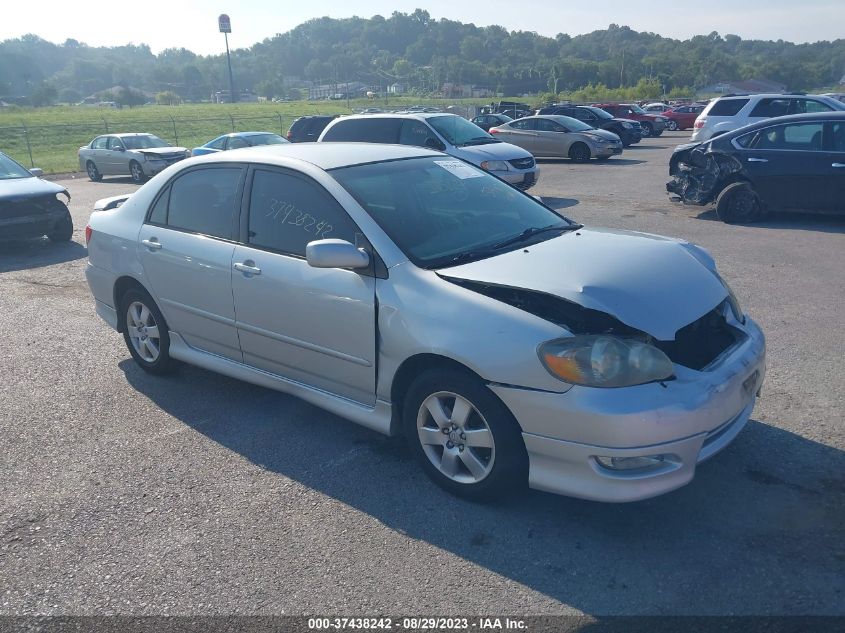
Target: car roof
pixel 126 134
pixel 248 134
pixel 420 116
pixel 789 118
pixel 323 155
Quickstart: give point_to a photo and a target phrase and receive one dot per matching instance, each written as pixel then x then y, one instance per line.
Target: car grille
pixel 702 341
pixel 171 158
pixel 523 163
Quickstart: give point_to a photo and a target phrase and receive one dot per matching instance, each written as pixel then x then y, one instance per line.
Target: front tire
pixel 145 332
pixel 738 203
pixel 579 153
pixel 464 437
pixel 63 230
pixel 648 130
pixel 93 173
pixel 136 172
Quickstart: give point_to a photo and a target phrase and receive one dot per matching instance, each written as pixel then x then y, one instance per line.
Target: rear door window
pixel 203 201
pixel 839 137
pixel 370 130
pixel 769 108
pixel 727 107
pixel 219 143
pixel 795 136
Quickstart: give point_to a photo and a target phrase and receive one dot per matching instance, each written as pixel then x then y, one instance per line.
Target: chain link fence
pixel 54 148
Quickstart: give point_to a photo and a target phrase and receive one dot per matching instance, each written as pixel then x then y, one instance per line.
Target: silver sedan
pixel 416 294
pixel 140 156
pixel 556 136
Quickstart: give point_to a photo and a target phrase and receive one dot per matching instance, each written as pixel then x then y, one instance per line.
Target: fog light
pixel 631 463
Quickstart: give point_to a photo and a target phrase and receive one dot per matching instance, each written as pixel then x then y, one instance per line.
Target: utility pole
pixel 225 25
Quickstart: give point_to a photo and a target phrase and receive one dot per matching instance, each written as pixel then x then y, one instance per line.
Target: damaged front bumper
pixel 699 174
pixel 571 437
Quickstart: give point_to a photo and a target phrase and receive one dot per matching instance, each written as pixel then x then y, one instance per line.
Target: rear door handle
pixel 248 267
pixel 758 160
pixel 153 244
pixel 838 165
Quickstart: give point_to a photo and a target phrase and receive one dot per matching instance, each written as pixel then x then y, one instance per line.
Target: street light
pixel 225 25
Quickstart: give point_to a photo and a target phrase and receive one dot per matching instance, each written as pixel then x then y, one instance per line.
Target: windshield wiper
pixel 536 230
pixel 480 140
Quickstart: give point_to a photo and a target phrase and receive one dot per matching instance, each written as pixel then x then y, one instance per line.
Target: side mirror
pixel 37 172
pixel 121 149
pixel 334 253
pixel 433 143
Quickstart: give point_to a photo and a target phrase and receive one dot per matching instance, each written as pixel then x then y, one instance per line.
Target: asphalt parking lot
pixel 197 494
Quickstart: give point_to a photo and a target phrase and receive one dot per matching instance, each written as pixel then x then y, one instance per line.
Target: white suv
pixel 735 111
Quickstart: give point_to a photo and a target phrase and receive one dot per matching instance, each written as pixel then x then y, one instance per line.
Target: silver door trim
pixel 197 311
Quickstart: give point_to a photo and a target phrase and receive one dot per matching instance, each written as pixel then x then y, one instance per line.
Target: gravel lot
pixel 197 494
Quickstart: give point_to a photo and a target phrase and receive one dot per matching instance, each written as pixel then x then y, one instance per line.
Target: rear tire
pixel 145 332
pixel 63 230
pixel 579 152
pixel 464 437
pixel 93 173
pixel 672 125
pixel 738 203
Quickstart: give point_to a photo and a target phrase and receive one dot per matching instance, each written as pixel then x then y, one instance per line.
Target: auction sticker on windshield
pixel 459 169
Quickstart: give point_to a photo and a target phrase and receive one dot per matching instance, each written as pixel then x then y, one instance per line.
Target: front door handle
pixel 153 244
pixel 838 165
pixel 248 267
pixel 758 160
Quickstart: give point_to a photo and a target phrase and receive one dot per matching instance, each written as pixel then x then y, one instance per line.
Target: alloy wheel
pixel 455 437
pixel 143 331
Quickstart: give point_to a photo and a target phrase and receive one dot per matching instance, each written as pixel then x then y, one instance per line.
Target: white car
pixel 443 132
pixel 731 112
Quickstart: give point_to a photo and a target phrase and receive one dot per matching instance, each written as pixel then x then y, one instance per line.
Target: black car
pixel 308 128
pixel 790 163
pixel 29 206
pixel 628 130
pixel 486 121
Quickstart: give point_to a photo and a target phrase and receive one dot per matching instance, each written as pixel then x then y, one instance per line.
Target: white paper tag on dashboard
pixel 459 169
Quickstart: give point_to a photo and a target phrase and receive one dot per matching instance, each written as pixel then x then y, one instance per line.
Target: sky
pixel 192 24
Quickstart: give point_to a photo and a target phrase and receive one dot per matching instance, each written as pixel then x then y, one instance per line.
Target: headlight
pixel 494 165
pixel 626 125
pixel 604 361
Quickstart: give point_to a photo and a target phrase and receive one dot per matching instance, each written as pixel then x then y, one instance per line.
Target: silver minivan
pixel 447 133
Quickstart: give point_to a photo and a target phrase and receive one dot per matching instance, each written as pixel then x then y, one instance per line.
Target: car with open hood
pixel 140 156
pixel 418 295
pixel 556 136
pixel 30 206
pixel 790 163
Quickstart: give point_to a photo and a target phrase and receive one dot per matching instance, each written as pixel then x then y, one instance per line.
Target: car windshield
pixel 143 141
pixel 458 131
pixel 573 125
pixel 442 211
pixel 265 139
pixel 637 109
pixel 10 169
pixel 602 114
pixel 504 118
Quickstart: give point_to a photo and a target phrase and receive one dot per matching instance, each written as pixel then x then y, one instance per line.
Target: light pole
pixel 225 25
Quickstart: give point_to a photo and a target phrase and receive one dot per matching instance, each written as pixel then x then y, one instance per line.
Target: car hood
pixel 162 151
pixel 605 134
pixel 654 284
pixel 22 188
pixel 492 151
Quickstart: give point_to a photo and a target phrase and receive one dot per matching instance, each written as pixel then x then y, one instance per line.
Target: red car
pixel 682 117
pixel 652 124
